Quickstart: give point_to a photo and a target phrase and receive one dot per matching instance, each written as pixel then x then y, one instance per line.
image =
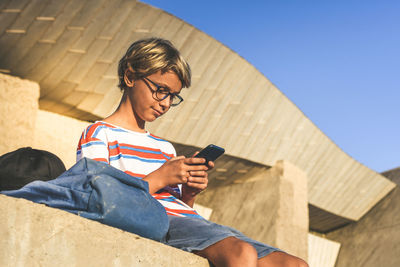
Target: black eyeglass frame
pixel 167 93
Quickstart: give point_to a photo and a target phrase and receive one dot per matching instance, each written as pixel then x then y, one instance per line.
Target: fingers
pixel 201 161
pixel 195 161
pixel 200 187
pixel 197 180
pixel 210 165
pixel 200 173
pixel 197 183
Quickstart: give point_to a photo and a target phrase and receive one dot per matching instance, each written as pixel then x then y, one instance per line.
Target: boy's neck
pixel 124 117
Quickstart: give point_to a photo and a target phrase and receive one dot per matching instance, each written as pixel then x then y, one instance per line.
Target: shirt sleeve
pixel 93 144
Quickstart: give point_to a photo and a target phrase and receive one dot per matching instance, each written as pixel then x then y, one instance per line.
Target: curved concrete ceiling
pixel 71 47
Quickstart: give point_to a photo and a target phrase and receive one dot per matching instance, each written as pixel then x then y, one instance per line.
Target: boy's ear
pixel 128 78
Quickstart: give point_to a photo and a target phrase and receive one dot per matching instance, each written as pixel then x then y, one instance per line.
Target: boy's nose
pixel 166 103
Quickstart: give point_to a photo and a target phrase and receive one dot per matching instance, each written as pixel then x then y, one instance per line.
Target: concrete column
pixel 18 108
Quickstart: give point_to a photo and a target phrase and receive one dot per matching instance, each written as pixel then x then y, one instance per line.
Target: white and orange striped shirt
pixel 136 154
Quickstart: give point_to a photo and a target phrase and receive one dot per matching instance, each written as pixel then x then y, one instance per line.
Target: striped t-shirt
pixel 136 154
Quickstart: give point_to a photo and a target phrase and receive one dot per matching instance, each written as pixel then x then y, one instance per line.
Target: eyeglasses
pixel 162 93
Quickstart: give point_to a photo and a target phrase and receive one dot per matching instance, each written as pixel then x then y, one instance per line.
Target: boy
pixel 151 75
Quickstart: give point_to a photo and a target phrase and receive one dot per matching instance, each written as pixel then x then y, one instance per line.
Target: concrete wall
pixel 36 235
pixel 269 206
pixel 58 134
pixel 375 239
pixel 18 108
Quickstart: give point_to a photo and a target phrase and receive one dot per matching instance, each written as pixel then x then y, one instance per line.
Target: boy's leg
pixel 230 252
pixel 224 246
pixel 235 252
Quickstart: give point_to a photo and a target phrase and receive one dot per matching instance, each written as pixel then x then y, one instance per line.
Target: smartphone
pixel 210 153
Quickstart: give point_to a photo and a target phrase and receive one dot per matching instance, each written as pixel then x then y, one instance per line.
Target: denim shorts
pixel 195 234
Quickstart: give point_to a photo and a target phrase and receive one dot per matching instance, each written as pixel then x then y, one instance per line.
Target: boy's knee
pixel 242 249
pixel 240 252
pixel 231 252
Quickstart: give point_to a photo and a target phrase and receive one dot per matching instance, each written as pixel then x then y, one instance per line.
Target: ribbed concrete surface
pixel 71 48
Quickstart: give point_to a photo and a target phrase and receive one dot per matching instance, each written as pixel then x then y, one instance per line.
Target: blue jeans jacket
pixel 100 192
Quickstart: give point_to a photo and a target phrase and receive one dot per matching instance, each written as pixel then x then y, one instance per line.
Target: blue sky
pixel 338 61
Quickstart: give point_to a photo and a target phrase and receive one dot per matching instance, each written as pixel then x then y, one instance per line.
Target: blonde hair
pixel 148 56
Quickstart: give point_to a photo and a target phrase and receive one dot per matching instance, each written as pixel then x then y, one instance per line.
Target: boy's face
pixel 142 97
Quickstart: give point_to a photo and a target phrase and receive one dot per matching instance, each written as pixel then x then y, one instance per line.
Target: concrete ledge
pixel 36 235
